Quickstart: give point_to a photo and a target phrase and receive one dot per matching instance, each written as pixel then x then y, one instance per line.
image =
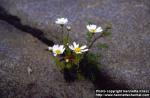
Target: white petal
pixel 56 22
pixel 55 47
pixel 50 48
pixel 61 47
pixel 77 45
pixel 93 26
pixel 83 47
pixel 74 44
pixel 71 47
pixel 99 29
pixel 55 54
pixel 61 21
pixel 88 27
pixel 65 20
pixel 84 50
pixel 63 50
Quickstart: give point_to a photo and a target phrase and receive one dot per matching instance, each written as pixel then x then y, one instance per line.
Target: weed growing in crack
pixel 76 60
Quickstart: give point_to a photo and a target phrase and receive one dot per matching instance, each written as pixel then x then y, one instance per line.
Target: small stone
pixel 29 70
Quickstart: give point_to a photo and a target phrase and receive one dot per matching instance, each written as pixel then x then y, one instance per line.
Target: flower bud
pixel 68 28
pixel 67 60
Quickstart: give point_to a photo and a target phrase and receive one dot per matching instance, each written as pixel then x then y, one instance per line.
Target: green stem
pixel 92 42
pixel 78 58
pixel 62 35
pixel 68 37
pixel 90 37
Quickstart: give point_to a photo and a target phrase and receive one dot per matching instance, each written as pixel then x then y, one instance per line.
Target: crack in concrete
pixel 15 21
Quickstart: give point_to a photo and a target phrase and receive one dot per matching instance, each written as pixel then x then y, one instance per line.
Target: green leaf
pixel 59 64
pixel 65 40
pixel 102 45
pixel 68 51
pixel 92 57
pixel 89 22
pixel 80 76
pixel 68 66
pixel 107 31
pixel 99 55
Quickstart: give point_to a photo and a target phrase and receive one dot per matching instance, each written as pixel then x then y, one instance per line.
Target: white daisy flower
pixel 94 29
pixel 78 50
pixel 58 49
pixel 61 21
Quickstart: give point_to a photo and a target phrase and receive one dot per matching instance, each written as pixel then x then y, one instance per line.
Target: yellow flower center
pixel 58 52
pixel 93 30
pixel 77 49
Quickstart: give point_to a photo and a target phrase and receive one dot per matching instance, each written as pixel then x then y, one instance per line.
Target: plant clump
pixel 70 56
